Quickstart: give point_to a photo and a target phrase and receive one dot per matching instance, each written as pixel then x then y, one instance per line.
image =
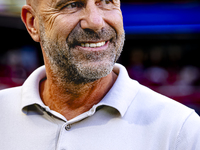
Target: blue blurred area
pixel 161 18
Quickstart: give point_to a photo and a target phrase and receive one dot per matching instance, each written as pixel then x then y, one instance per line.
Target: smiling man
pixel 82 99
pixel 78 36
pixel 81 41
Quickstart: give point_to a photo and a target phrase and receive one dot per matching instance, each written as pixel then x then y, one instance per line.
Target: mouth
pixel 93 44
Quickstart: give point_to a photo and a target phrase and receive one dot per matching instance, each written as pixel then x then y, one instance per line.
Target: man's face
pixel 82 39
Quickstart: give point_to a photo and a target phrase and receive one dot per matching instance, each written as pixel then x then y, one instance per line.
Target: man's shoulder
pixel 151 98
pixel 8 90
pixel 10 94
pixel 150 104
pixel 10 100
pixel 164 118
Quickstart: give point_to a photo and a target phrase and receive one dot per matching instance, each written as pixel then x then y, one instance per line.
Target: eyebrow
pixel 61 2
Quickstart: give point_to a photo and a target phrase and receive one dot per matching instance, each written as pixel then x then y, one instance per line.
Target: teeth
pixel 87 45
pixel 93 45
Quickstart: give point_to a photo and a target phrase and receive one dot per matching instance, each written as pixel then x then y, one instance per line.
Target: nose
pixel 92 17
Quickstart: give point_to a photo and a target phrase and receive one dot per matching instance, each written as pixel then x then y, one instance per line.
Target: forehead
pixel 36 4
pixel 48 2
pixel 57 1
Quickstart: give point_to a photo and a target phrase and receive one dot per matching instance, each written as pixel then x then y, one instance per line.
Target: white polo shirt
pixel 129 117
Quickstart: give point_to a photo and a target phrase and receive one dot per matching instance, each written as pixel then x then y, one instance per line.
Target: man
pixel 81 99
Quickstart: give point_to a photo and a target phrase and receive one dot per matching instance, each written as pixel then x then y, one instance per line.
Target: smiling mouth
pixel 93 45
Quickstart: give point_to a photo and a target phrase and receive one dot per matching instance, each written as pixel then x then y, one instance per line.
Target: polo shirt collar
pixel 30 88
pixel 119 97
pixel 122 92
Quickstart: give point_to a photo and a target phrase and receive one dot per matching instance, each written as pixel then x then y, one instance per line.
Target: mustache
pixel 79 35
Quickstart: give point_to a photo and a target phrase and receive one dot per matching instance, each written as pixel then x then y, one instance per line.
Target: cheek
pixel 59 27
pixel 64 26
pixel 114 19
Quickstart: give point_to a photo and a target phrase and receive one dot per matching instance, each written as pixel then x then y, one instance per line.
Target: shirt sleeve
pixel 189 135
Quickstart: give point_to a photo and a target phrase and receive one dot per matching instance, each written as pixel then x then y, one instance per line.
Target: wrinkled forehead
pixel 36 3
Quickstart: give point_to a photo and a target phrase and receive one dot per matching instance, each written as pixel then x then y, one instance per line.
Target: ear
pixel 29 18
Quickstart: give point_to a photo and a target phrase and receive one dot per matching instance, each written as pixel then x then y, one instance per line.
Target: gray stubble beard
pixel 71 66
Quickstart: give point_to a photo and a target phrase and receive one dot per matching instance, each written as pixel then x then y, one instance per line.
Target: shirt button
pixel 68 127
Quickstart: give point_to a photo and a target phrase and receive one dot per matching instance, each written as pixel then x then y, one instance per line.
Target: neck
pixel 72 100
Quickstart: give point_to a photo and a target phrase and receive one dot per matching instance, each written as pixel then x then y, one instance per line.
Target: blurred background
pixel 161 51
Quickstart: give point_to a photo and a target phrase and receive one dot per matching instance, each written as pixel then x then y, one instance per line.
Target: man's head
pixel 81 39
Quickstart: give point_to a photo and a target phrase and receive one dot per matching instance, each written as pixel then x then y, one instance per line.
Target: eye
pixel 73 5
pixel 107 1
pixel 104 2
